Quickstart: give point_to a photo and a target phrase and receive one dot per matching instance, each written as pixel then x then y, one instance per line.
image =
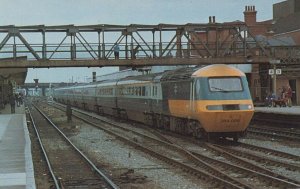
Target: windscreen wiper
pixel 219 89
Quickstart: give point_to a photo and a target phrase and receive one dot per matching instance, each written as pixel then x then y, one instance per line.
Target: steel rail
pixel 271 134
pixel 108 180
pixel 57 185
pixel 267 161
pixel 269 151
pixel 290 182
pixel 166 159
pixel 286 131
pixel 264 172
pixel 277 132
pixel 261 172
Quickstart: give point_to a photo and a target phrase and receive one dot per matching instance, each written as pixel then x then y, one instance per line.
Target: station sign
pixel 277 71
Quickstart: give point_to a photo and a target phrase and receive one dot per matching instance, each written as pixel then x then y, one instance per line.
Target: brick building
pixel 259 80
pixel 281 31
pixel 286 25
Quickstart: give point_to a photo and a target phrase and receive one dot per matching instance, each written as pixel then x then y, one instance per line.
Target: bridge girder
pixel 130 63
pixel 211 43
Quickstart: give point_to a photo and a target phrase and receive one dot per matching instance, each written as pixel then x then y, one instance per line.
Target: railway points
pixel 16 165
pixel 250 167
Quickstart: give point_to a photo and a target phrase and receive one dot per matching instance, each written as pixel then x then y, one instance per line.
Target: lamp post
pixel 273 72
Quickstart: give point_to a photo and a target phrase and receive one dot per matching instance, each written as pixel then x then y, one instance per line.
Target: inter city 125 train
pixel 212 101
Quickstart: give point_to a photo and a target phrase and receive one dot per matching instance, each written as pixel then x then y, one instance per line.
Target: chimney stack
pixel 250 15
pixel 212 20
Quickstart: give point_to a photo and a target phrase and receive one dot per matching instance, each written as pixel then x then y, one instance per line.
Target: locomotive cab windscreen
pixel 227 84
pixel 222 88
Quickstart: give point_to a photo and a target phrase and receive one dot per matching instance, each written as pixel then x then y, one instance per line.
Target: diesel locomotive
pixel 211 101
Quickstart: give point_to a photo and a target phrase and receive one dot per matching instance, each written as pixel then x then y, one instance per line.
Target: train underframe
pixel 186 126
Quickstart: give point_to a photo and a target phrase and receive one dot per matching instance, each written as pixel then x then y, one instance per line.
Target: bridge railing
pixel 287 54
pixel 127 51
pixel 95 42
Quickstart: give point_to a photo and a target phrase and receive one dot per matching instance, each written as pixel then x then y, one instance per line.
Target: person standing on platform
pixel 12 101
pixel 289 94
pixel 18 99
pixel 116 51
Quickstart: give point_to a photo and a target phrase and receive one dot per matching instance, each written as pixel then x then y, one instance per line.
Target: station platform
pixel 16 166
pixel 294 110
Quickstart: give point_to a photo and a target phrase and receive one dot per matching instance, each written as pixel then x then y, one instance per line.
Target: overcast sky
pixel 86 12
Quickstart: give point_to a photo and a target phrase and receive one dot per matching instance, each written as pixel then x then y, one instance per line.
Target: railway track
pixel 228 171
pixel 276 154
pixel 240 165
pixel 68 166
pixel 163 151
pixel 261 159
pixel 272 132
pixel 280 120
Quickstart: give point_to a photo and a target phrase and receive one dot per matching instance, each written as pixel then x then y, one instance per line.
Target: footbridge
pixel 42 46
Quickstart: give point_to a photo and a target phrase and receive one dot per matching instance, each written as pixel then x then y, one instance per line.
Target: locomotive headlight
pixel 229 107
pixel 214 107
pixel 246 106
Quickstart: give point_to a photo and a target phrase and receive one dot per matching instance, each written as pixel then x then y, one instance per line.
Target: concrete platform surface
pixel 16 167
pixel 294 110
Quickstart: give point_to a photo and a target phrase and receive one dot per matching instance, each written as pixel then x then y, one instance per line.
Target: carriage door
pixel 154 97
pixel 148 97
pixel 192 104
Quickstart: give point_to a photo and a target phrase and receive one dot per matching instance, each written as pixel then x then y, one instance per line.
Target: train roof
pixel 218 70
pixel 172 75
pixel 179 74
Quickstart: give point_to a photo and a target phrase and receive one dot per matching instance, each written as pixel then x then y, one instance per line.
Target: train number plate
pixel 230 120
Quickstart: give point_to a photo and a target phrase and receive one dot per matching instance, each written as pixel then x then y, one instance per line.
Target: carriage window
pixel 225 84
pixel 143 91
pixel 154 91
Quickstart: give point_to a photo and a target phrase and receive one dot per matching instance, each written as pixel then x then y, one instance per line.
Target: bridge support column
pixel 44 54
pixel 126 47
pixel 103 46
pixel 178 43
pixel 99 51
pixel 14 47
pixel 153 46
pixel 43 91
pixel 160 44
pixel 99 45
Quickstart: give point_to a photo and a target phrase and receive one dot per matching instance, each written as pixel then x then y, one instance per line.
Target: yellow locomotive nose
pixel 226 117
